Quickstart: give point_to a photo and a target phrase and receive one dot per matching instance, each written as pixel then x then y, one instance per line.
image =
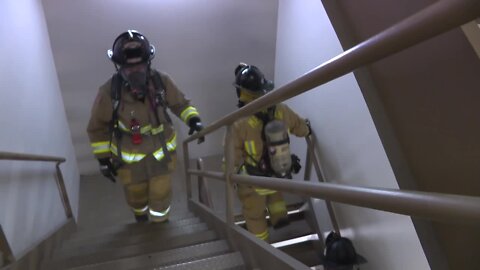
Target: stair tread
pixel 164 258
pixel 230 261
pixel 110 241
pixel 98 256
pixel 130 228
pixel 304 252
pixel 293 230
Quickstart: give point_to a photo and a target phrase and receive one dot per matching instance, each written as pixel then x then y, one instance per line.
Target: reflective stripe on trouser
pixel 276 207
pixel 160 196
pixel 153 196
pixel 253 209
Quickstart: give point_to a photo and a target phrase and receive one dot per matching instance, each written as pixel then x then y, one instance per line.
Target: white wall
pixel 33 121
pixel 351 150
pixel 198 43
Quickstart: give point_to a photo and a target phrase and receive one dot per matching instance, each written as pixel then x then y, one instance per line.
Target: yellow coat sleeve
pixel 296 125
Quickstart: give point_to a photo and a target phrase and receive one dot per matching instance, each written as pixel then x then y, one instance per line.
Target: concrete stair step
pixel 305 252
pixel 295 229
pixel 82 246
pixel 230 261
pixel 129 229
pixel 163 258
pixel 93 256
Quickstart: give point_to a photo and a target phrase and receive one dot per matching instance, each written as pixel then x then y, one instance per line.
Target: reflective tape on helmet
pixel 187 113
pixel 171 146
pixel 159 214
pixel 140 211
pixel 264 235
pixel 101 147
pixel 127 156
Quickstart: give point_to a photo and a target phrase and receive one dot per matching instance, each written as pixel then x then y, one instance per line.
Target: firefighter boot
pixel 141 218
pixel 277 210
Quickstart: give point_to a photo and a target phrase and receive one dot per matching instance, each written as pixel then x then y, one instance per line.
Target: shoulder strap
pixel 115 94
pixel 265 118
pixel 160 93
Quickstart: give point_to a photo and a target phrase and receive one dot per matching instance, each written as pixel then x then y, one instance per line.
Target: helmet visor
pixel 134 52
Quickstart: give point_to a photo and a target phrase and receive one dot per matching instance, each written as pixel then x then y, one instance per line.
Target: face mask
pixel 137 80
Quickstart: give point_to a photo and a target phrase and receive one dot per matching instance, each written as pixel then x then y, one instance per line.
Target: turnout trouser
pixel 255 207
pixel 150 197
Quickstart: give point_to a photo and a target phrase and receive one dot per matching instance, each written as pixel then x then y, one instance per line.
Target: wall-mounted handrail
pixel 60 183
pixel 312 159
pixel 4 247
pixel 20 156
pixel 437 18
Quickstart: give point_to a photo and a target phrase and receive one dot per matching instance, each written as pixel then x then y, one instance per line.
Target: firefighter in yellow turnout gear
pixel 251 156
pixel 130 130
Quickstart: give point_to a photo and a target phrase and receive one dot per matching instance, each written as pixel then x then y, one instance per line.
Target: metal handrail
pixel 430 205
pixel 435 206
pixel 429 22
pixel 60 183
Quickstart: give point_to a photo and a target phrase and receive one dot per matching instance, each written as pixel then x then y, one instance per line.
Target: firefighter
pixel 251 157
pixel 130 130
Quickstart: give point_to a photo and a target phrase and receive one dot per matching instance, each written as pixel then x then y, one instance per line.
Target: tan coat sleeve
pixel 238 150
pixel 296 125
pixel 98 128
pixel 176 101
pixel 238 144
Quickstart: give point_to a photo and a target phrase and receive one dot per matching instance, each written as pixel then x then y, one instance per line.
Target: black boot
pixel 141 218
pixel 282 222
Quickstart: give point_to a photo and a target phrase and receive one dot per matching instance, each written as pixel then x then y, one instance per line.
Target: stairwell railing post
pixel 229 170
pixel 203 191
pixel 188 177
pixel 311 147
pixel 63 191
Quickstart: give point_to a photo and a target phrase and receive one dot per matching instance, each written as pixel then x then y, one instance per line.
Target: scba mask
pixel 136 78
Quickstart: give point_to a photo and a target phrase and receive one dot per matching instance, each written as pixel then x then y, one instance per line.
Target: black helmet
pixel 251 78
pixel 339 252
pixel 131 47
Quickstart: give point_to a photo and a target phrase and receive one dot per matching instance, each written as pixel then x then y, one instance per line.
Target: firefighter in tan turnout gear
pixel 130 130
pixel 261 146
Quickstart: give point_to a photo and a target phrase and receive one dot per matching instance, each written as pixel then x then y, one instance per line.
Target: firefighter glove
pixel 107 169
pixel 296 164
pixel 195 124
